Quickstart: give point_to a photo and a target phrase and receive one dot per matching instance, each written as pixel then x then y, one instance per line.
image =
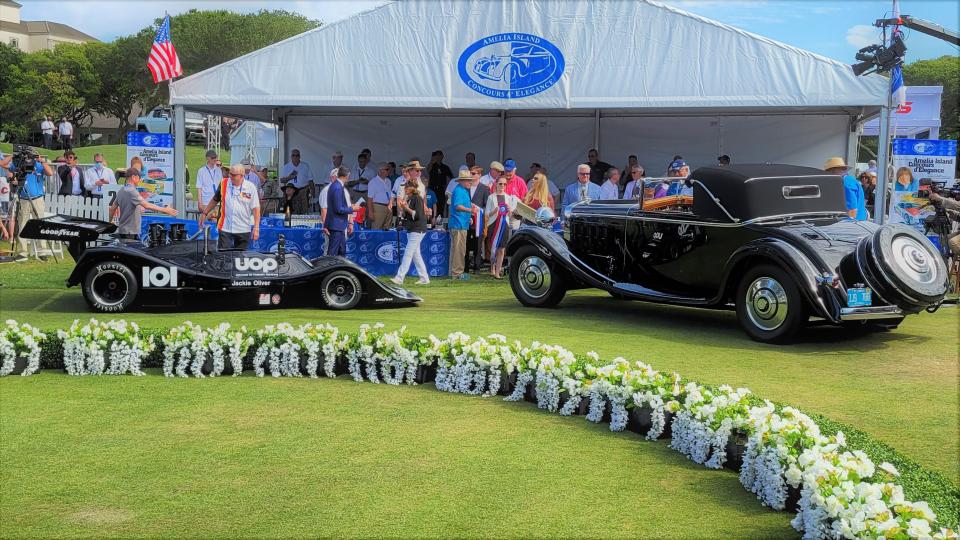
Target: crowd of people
pixel 477 206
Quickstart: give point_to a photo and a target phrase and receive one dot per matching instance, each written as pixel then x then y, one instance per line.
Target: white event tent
pixel 544 81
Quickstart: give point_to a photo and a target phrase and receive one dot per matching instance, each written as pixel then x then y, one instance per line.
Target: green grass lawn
pixel 277 458
pixel 116 155
pixel 294 458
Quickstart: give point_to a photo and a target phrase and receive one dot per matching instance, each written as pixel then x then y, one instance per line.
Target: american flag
pixel 163 61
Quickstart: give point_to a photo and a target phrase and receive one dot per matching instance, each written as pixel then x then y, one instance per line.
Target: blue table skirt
pixel 375 251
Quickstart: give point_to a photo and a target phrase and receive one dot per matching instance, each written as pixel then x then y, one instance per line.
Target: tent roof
pixel 627 55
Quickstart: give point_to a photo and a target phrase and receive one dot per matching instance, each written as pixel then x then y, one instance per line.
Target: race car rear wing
pixel 75 231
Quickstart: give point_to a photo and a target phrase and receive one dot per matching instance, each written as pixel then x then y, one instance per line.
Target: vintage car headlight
pixel 545 216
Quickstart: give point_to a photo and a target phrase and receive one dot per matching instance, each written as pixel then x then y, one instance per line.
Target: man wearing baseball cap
pixel 852 190
pixel 208 178
pixel 516 185
pixel 127 206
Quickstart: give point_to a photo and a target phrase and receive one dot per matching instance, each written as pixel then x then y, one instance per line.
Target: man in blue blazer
pixel 337 222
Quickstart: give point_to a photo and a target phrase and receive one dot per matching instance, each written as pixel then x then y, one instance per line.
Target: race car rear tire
pixel 535 280
pixel 770 308
pixel 110 287
pixel 904 266
pixel 341 290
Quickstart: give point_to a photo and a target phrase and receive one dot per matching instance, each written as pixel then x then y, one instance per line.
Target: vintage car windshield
pixel 665 194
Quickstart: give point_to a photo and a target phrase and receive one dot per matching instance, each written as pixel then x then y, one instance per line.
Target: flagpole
pixel 883 158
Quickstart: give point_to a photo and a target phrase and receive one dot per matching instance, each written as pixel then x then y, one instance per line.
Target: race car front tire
pixel 110 287
pixel 341 290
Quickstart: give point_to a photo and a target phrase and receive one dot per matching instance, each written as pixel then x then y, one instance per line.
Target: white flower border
pixel 842 494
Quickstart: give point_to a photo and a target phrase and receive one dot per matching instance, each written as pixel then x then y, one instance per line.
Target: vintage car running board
pixel 640 292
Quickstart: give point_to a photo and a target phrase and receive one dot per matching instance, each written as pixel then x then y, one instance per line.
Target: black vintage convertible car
pixel 171 271
pixel 773 241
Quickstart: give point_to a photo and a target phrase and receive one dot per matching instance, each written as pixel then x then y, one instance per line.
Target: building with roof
pixel 30 36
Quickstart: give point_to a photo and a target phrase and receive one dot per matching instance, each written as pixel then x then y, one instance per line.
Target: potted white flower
pixel 104 348
pixel 19 349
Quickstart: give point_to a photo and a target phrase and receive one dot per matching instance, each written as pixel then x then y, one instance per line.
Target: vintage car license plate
pixel 859 297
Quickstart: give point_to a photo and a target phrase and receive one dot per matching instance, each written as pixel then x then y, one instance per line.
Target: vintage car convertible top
pixel 172 271
pixel 773 241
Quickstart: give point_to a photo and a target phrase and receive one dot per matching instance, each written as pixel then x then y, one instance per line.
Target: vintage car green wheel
pixel 769 305
pixel 534 279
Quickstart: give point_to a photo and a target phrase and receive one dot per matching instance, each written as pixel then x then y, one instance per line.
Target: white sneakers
pixel 421 281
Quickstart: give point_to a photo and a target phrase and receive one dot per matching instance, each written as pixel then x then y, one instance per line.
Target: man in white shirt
pixel 46 127
pixel 250 175
pixel 98 176
pixel 239 211
pixel 490 179
pixel 469 161
pixel 299 174
pixel 610 190
pixel 336 161
pixel 208 180
pixel 361 175
pixel 380 199
pixel 66 133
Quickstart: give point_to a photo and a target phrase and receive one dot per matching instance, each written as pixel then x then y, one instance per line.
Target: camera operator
pixel 30 189
pixel 952 207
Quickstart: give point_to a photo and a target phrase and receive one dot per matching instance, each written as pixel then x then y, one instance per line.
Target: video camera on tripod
pixel 24 161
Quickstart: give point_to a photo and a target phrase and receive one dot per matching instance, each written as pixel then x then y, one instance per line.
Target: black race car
pixel 772 241
pixel 172 271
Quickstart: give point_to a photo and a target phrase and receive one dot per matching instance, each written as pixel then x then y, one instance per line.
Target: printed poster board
pixel 156 152
pixel 925 159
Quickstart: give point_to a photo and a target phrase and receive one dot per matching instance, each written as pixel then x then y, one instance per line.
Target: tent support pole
pixel 596 129
pixel 503 133
pixel 281 141
pixel 853 141
pixel 883 159
pixel 179 159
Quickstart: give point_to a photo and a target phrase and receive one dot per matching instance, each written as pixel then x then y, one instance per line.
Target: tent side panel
pixel 393 138
pixel 797 140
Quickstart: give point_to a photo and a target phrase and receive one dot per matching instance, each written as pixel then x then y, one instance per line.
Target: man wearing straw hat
pixel 852 190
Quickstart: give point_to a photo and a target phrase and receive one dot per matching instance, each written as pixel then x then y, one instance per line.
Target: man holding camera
pixel 30 204
pixel 952 206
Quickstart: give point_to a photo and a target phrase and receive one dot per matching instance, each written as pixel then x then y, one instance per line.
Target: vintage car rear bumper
pixel 870 313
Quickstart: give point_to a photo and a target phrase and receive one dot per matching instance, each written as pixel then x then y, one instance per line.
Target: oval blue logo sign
pixel 512 65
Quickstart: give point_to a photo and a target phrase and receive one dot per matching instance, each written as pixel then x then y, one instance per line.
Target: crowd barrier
pixel 378 252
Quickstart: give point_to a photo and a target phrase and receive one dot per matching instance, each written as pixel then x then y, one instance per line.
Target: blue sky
pixel 833 28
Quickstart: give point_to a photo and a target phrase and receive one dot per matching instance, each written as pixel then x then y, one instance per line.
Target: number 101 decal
pixel 159 276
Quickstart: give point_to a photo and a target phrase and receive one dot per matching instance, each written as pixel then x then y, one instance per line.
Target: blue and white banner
pixel 156 152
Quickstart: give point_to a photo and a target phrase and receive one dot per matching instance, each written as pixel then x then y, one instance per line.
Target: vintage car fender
pixel 555 248
pixel 821 299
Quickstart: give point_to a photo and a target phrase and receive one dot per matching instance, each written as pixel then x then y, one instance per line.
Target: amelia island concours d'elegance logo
pixel 511 65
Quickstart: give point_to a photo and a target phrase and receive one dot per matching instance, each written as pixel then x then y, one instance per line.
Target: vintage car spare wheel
pixel 534 279
pixel 110 287
pixel 769 305
pixel 341 290
pixel 910 269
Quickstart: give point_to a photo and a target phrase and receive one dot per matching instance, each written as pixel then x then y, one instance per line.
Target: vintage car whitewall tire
pixel 534 279
pixel 340 290
pixel 770 307
pixel 110 287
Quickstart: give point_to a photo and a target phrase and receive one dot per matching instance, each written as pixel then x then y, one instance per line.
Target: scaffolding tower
pixel 213 133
